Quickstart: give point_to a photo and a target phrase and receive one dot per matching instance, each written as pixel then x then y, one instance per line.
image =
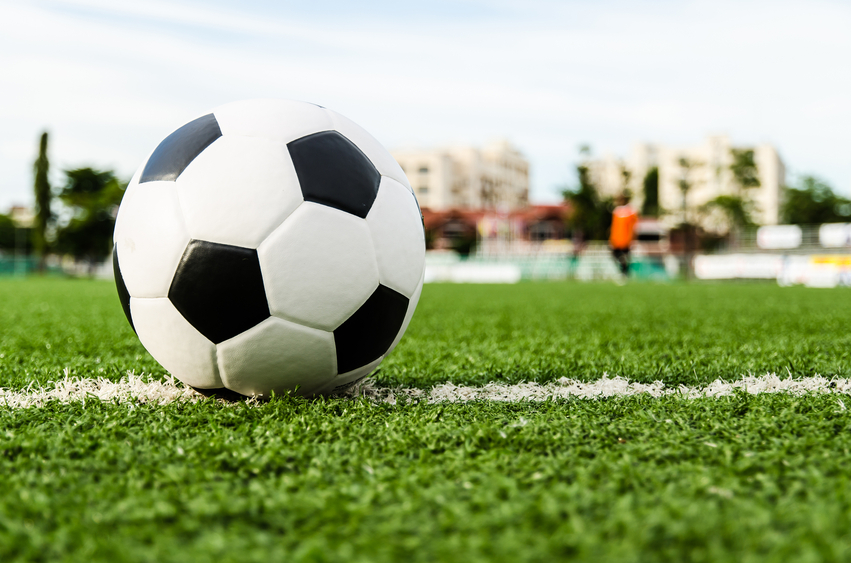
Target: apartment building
pixel 495 177
pixel 707 174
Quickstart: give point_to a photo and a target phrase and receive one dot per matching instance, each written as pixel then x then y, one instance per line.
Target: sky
pixel 109 80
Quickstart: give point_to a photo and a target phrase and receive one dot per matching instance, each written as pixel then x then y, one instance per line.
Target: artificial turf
pixel 741 478
pixel 677 333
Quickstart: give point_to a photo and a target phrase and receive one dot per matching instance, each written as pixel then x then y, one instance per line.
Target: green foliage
pixel 626 176
pixel 464 244
pixel 590 215
pixel 650 207
pixel 740 478
pixel 92 197
pixel 814 202
pixel 686 183
pixel 15 238
pixel 737 211
pixel 744 169
pixel 43 195
pixel 7 233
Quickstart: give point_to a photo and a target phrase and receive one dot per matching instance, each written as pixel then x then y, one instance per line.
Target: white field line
pixel 605 387
pixel 130 389
pixel 135 389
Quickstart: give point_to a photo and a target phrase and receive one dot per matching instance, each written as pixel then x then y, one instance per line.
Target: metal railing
pixel 555 260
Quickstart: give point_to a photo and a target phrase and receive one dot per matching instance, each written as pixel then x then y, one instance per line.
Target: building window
pixel 423 169
pixel 422 190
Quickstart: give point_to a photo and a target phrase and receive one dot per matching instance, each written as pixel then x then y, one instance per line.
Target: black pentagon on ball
pixel 123 294
pixel 369 332
pixel 333 171
pixel 219 289
pixel 175 152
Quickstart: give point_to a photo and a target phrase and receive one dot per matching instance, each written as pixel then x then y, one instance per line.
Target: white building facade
pixel 494 177
pixel 708 177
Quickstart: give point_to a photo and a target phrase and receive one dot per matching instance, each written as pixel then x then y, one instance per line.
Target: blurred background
pixel 517 123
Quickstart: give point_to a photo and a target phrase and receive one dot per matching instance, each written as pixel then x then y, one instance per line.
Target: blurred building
pixel 708 177
pixel 535 224
pixel 495 177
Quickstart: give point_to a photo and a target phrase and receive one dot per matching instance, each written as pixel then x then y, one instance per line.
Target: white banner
pixel 738 266
pixel 472 272
pixel 779 236
pixel 835 235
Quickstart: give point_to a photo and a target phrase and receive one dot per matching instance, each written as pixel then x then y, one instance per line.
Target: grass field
pixel 741 478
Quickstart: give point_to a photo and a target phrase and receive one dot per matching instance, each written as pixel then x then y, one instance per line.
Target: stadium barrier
pixel 18 265
pixel 510 262
pixel 811 270
pixel 810 255
pixel 21 266
pixel 473 273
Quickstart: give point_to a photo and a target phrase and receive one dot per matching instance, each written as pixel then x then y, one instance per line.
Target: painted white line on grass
pixel 604 387
pixel 130 389
pixel 137 389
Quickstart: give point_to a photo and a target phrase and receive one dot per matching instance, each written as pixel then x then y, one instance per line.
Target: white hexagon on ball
pixel 321 293
pixel 279 120
pixel 268 190
pixel 398 237
pixel 255 363
pixel 150 236
pixel 269 245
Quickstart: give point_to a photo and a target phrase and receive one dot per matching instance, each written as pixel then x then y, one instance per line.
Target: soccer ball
pixel 267 246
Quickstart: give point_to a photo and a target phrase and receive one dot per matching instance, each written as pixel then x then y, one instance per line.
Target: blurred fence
pixel 811 255
pixel 827 238
pixel 18 266
pixel 812 270
pixel 552 260
pixel 21 266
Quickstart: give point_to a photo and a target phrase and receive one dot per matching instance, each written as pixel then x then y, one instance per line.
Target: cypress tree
pixel 42 201
pixel 650 208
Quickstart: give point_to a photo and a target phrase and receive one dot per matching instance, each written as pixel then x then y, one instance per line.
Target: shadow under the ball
pixel 234 397
pixel 223 393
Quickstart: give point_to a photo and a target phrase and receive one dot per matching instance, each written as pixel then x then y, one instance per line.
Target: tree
pixel 737 211
pixel 626 176
pixel 650 206
pixel 589 216
pixel 744 169
pixel 7 234
pixel 92 198
pixel 738 208
pixel 43 215
pixel 15 238
pixel 814 202
pixel 686 182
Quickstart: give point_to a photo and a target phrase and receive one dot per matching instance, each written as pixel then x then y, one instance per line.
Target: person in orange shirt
pixel 624 219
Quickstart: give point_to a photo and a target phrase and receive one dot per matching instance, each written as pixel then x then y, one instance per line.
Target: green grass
pixel 735 479
pixel 475 334
pixel 742 478
pixel 675 333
